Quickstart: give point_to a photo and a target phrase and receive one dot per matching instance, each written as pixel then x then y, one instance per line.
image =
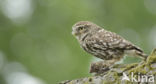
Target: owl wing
pixel 105 45
pixel 107 39
pixel 111 43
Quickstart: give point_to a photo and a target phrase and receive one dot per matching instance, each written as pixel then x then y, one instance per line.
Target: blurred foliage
pixel 43 42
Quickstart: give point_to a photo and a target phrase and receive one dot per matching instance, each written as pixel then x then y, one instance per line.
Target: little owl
pixel 104 44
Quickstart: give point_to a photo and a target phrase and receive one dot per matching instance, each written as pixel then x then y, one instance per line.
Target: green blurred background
pixel 36 45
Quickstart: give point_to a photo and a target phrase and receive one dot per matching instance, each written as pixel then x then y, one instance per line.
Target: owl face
pixel 81 28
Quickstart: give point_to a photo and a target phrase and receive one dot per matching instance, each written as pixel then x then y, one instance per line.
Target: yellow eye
pixel 81 28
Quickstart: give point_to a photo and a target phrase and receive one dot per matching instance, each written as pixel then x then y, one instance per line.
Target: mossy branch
pixel 115 75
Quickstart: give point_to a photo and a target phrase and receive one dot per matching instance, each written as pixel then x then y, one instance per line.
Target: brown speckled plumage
pixel 102 43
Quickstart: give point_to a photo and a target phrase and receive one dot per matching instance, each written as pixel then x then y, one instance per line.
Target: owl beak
pixel 75 34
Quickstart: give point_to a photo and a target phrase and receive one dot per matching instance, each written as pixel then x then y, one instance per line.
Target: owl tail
pixel 140 53
pixel 135 51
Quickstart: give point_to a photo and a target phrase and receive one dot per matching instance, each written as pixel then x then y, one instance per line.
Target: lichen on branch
pixel 143 73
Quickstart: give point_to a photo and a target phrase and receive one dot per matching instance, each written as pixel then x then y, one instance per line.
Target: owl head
pixel 82 28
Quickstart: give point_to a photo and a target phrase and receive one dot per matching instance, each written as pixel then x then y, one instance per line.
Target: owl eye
pixel 81 28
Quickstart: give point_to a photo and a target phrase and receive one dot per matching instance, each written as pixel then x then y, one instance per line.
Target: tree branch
pixel 136 73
